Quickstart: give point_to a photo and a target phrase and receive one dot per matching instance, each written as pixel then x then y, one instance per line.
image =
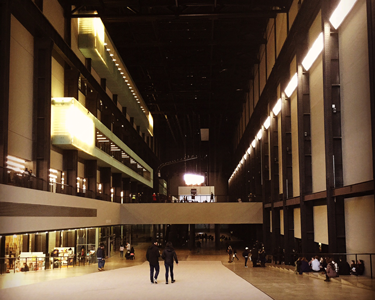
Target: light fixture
pixel 292 85
pixel 193 179
pixel 254 143
pixel 249 150
pixel 267 123
pixel 341 11
pixel 260 133
pixel 276 109
pixel 314 52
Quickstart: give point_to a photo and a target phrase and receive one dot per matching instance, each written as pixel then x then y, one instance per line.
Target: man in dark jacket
pixel 169 255
pixel 100 255
pixel 152 257
pixel 246 255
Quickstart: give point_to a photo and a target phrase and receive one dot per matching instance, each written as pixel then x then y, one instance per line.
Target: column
pixel 70 168
pixel 42 107
pixel 4 87
pixel 192 237
pixel 217 236
pixel 105 179
pixel 117 186
pixel 91 167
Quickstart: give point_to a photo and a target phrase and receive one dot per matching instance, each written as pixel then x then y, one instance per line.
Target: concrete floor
pixel 204 275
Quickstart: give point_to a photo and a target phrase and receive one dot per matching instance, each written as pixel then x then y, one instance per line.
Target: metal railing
pixel 336 257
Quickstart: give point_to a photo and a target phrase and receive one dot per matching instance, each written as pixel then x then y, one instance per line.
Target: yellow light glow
pixel 72 124
pixel 254 143
pixel 292 85
pixel 341 11
pixel 193 179
pixel 267 123
pixel 314 52
pixel 276 109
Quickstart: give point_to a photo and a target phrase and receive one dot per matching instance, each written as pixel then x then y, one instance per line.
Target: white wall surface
pixel 360 228
pixel 20 91
pixel 57 79
pixel 320 224
pixel 55 15
pixel 108 213
pixel 297 223
pixel 192 213
pixel 355 97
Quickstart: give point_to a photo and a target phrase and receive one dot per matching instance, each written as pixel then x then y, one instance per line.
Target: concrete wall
pixel 355 95
pixel 192 213
pixel 20 91
pixel 360 228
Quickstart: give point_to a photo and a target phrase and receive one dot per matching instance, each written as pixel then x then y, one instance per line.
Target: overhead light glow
pixel 314 52
pixel 276 109
pixel 259 135
pixel 292 85
pixel 341 11
pixel 254 143
pixel 248 150
pixel 193 179
pixel 267 123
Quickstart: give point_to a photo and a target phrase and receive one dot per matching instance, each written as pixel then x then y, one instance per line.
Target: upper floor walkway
pixel 29 210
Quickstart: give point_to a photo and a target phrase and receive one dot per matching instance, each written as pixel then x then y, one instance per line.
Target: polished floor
pixel 203 275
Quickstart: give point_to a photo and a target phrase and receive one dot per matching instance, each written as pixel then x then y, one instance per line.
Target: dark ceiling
pixel 191 61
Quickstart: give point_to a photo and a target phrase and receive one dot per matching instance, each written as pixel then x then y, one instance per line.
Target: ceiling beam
pixel 160 17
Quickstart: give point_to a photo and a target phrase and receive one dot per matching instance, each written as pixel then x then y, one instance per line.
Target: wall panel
pixel 21 91
pixel 355 97
pixel 282 222
pixel 55 15
pixel 262 69
pixel 271 50
pixel 281 31
pixel 293 11
pixel 320 224
pixel 360 227
pixel 297 223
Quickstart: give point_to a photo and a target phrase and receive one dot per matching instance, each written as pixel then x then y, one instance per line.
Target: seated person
pixel 353 268
pixel 360 267
pixel 315 264
pixel 304 266
pixel 344 268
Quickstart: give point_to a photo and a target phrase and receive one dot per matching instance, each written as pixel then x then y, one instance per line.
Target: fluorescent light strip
pixel 292 85
pixel 276 109
pixel 314 52
pixel 10 157
pixel 341 11
pixel 267 123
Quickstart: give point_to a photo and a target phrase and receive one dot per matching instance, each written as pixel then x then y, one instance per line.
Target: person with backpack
pixel 169 255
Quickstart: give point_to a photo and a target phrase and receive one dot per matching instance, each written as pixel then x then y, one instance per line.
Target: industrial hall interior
pixel 240 131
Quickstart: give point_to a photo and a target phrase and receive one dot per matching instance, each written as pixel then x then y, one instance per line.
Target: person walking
pixel 152 256
pixel 100 255
pixel 245 254
pixel 230 252
pixel 235 254
pixel 122 248
pixel 169 255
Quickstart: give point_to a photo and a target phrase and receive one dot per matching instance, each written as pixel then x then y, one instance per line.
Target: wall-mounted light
pixel 260 133
pixel 314 52
pixel 276 109
pixel 341 11
pixel 254 143
pixel 292 85
pixel 249 150
pixel 267 123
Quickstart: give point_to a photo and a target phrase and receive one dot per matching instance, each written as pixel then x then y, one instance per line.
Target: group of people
pixel 329 266
pixel 169 256
pixel 257 255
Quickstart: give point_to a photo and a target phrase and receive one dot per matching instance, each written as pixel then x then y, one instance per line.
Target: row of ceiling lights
pixel 121 69
pixel 336 19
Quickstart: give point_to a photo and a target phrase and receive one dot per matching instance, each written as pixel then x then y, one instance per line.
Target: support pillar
pixel 117 186
pixel 105 180
pixel 42 108
pixel 70 168
pixel 217 236
pixel 71 77
pixel 126 190
pixel 91 167
pixel 192 237
pixel 5 17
